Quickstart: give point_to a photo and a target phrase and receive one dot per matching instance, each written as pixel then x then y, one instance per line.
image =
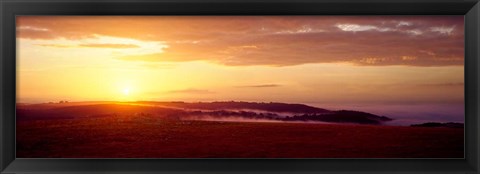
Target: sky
pixel 405 66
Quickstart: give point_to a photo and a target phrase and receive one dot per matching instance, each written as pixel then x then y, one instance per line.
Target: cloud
pixel 356 27
pixel 400 28
pixel 55 45
pixel 268 40
pixel 443 30
pixel 110 45
pixel 303 29
pixel 32 28
pixel 414 32
pixel 159 65
pixel 160 57
pixel 260 86
pixel 458 84
pixel 404 23
pixel 90 45
pixel 192 91
pixel 409 58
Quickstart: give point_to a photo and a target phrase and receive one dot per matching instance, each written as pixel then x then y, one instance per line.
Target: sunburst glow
pixel 126 91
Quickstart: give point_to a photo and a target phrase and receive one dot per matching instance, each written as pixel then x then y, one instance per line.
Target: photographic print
pixel 240 87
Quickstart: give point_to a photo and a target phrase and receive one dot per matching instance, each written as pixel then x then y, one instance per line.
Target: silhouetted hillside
pixel 203 110
pixel 230 105
pixel 79 111
pixel 342 116
pixel 435 124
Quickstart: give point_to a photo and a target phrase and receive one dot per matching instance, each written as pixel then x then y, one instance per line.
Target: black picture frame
pixel 11 8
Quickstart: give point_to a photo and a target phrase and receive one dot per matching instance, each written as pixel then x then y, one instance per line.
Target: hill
pixel 435 124
pixel 198 111
pixel 231 105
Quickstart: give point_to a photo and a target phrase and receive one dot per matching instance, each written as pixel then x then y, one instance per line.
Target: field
pixel 138 135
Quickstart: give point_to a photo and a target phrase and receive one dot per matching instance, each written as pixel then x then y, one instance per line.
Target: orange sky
pixel 302 59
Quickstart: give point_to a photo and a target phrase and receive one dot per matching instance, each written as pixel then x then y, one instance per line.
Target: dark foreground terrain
pixel 134 131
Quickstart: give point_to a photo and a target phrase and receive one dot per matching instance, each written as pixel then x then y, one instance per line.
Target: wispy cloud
pixel 56 45
pixel 443 30
pixel 459 84
pixel 110 45
pixel 192 91
pixel 159 65
pixel 260 86
pixel 357 28
pixel 303 29
pixel 90 45
pixel 32 28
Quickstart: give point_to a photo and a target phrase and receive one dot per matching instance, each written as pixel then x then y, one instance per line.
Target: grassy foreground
pixel 148 136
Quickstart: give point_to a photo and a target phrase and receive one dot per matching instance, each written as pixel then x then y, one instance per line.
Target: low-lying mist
pixel 242 119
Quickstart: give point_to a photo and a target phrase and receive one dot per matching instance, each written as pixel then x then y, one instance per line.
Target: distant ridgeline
pixel 281 112
pixel 199 110
pixel 435 124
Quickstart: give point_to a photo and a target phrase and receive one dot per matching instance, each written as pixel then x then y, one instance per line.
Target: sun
pixel 126 91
